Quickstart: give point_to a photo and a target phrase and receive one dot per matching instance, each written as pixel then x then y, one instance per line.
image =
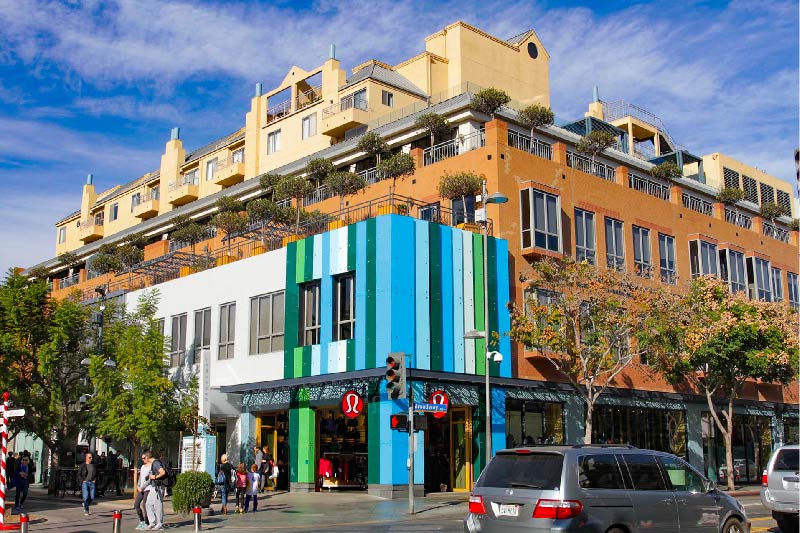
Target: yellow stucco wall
pixel 714 163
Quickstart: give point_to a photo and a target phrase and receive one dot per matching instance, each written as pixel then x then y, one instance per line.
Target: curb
pixel 739 493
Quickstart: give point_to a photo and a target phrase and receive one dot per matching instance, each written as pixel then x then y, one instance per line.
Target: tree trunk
pixel 135 466
pixel 464 205
pixel 587 435
pixel 298 200
pixel 729 445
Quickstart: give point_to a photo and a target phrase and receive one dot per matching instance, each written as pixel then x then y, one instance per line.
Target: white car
pixel 780 487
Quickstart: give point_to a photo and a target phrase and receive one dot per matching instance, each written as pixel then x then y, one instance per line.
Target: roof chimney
pixel 174 134
pixel 595 94
pixel 259 89
pixel 89 179
pixel 332 51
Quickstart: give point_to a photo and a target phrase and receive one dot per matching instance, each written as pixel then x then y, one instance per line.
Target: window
pixel 758 272
pixel 681 476
pixel 202 332
pixel 584 236
pixel 211 169
pixel 113 212
pixel 387 98
pixel 309 126
pixel 430 212
pixel 644 471
pixel 791 285
pixel 777 285
pixel 666 251
pixel 641 252
pixel 535 469
pixel 599 471
pixel 459 214
pixel 344 307
pixel 360 99
pixel 615 247
pixel 238 156
pixel 136 199
pixel 177 340
pixel 703 258
pixel 731 265
pixel 227 330
pixel 540 220
pixel 191 177
pixel 309 314
pixel 62 235
pixel 266 323
pixel 788 460
pixel 273 141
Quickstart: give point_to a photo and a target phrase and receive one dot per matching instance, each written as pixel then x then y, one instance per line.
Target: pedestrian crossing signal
pixel 399 423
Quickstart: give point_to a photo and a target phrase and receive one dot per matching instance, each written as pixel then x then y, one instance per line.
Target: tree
pixel 68 260
pixel 188 231
pixel 794 225
pixel 435 124
pixel 106 259
pixel 398 166
pixel 490 100
pixel 667 171
pixel 343 184
pixel 771 211
pixel 460 185
pixel 229 218
pixel 716 341
pixel 373 145
pixel 535 116
pixel 730 196
pixel 295 187
pixel 317 170
pixel 261 212
pixel 595 142
pixel 188 414
pixel 269 181
pixel 580 319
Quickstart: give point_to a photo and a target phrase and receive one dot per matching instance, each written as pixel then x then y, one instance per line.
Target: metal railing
pixel 698 204
pixel 317 195
pixel 647 186
pixel 644 151
pixel 454 147
pixel 348 102
pixel 153 194
pixel 531 145
pixel 619 109
pixel 309 97
pixel 371 175
pixel 736 218
pixel 775 232
pixel 234 158
pixel 279 111
pixel 595 168
pixel 286 202
pixel 69 281
pixel 94 221
pixel 186 179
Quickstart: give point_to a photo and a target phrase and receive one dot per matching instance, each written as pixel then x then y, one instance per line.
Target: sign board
pixel 199 454
pixel 13 413
pixel 352 404
pixel 430 407
pixel 440 397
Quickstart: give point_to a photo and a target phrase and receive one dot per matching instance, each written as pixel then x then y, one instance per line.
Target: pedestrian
pixel 11 466
pixel 144 474
pixel 112 475
pixel 22 483
pixel 265 466
pixel 258 456
pixel 227 472
pixel 154 503
pixel 253 483
pixel 87 477
pixel 241 487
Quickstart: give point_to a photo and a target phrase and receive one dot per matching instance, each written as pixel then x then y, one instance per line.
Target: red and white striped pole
pixel 3 453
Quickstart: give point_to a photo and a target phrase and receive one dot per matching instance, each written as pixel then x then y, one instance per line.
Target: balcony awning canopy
pixel 167 264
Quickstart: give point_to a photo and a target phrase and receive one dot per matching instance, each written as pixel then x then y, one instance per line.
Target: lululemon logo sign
pixel 440 397
pixel 352 404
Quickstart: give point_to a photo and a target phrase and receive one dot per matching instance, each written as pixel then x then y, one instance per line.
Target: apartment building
pixel 281 384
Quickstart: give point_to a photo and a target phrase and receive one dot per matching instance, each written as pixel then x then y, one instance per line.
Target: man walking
pixel 87 477
pixel 144 474
pixel 154 502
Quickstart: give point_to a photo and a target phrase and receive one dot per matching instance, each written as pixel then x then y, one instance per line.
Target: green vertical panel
pixel 300 261
pixel 308 262
pixel 297 361
pixel 371 311
pixel 351 354
pixel 494 369
pixel 291 311
pixel 302 438
pixel 435 247
pixel 351 247
pixel 480 324
pixel 294 438
pixel 374 441
pixel 306 362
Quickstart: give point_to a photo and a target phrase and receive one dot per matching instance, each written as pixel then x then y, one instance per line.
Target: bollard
pixel 23 522
pixel 117 522
pixel 198 518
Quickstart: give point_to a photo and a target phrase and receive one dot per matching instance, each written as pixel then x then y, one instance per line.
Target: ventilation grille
pixel 767 193
pixel 785 201
pixel 731 178
pixel 750 189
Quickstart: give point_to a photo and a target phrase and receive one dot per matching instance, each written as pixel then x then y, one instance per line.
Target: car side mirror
pixel 710 486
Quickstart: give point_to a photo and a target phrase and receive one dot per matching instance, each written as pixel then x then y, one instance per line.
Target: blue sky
pixel 93 86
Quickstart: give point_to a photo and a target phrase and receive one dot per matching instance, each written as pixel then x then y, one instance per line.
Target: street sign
pixel 430 407
pixel 12 413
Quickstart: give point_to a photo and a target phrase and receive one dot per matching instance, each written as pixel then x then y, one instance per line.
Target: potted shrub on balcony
pixel 343 184
pixel 373 145
pixel 489 100
pixel 260 213
pixel 595 143
pixel 771 211
pixel 190 232
pixel 535 116
pixel 397 167
pixel 295 187
pixel 434 124
pixel 731 196
pixel 230 220
pixel 192 489
pixel 461 185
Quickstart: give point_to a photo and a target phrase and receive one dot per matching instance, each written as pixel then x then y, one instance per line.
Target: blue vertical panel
pixel 316 360
pixel 326 298
pixel 383 288
pixel 393 444
pixel 361 296
pixel 498 397
pixel 458 301
pixel 402 285
pixel 448 364
pixel 422 301
pixel 503 296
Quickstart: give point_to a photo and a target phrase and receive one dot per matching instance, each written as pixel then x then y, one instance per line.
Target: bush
pixel 490 100
pixel 771 210
pixel 191 489
pixel 667 171
pixel 730 195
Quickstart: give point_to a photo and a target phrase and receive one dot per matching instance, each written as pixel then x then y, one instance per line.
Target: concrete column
pixel 560 153
pixel 622 175
pixel 496 132
pixel 718 210
pixel 758 224
pixel 675 194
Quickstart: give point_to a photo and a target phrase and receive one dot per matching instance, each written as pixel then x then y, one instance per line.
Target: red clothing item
pixel 241 480
pixel 325 468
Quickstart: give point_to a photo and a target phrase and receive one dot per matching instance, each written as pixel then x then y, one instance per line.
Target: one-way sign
pixel 430 407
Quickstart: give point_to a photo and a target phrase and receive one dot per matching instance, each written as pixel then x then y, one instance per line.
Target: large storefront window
pixel 530 422
pixel 752 446
pixel 342 449
pixel 791 430
pixel 653 429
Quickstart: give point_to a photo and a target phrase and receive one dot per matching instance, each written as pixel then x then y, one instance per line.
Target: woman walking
pixel 21 482
pixel 241 487
pixel 227 471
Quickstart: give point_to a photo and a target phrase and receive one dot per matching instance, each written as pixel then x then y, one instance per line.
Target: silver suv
pixel 780 487
pixel 598 488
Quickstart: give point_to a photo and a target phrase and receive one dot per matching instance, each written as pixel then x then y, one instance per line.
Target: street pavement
pixel 355 512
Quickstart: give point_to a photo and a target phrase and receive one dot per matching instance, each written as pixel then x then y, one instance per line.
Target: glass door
pixel 460 449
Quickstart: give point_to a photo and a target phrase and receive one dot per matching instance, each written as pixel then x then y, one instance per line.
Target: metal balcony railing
pixel 595 168
pixel 153 194
pixel 531 145
pixel 192 178
pixel 454 147
pixel 309 97
pixel 235 157
pixel 647 186
pixel 69 281
pixel 698 204
pixel 775 232
pixel 317 195
pixel 371 175
pixel 279 111
pixel 644 151
pixel 94 221
pixel 736 218
pixel 348 102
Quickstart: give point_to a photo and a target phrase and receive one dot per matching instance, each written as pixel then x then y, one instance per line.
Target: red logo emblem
pixel 352 404
pixel 440 397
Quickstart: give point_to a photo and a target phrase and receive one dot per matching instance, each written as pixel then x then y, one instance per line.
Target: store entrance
pixel 272 429
pixel 448 452
pixel 341 450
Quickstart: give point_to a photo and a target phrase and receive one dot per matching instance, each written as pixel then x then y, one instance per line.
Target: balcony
pixel 452 148
pixel 695 203
pixel 775 232
pixel 306 98
pixel 347 114
pixel 230 171
pixel 278 111
pixel 532 146
pixel 595 168
pixel 732 216
pixel 184 190
pixel 648 186
pixel 317 195
pixel 147 206
pixel 90 230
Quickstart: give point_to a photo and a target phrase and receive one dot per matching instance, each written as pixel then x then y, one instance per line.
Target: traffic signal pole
pixel 411 440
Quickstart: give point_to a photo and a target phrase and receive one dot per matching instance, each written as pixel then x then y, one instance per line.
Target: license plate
pixel 508 510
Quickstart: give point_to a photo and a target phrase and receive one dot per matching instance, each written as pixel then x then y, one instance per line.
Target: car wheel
pixel 788 524
pixel 733 525
pixel 615 530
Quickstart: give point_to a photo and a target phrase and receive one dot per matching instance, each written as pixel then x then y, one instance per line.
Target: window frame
pixel 257 336
pixel 735 277
pixel 543 236
pixel 202 336
pixel 615 252
pixel 761 288
pixel 792 289
pixel 177 343
pixel 211 169
pixel 776 282
pixel 341 325
pixel 585 220
pixel 703 250
pixel 387 98
pixel 311 130
pixel 62 235
pixel 274 141
pixel 668 275
pixel 113 212
pixel 226 335
pixel 308 334
pixel 643 248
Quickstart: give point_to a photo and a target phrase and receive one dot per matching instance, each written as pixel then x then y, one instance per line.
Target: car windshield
pixel 532 471
pixel 787 460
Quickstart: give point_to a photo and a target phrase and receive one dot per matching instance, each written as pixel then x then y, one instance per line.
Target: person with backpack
pixel 253 482
pixel 154 503
pixel 241 487
pixel 141 495
pixel 223 480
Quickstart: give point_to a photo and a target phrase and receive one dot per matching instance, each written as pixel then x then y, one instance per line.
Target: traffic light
pixel 399 423
pixel 396 375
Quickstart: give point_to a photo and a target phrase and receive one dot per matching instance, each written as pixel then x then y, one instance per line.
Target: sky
pixel 95 86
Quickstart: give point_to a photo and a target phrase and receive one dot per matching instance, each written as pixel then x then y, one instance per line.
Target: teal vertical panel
pixel 494 368
pixel 423 299
pixel 435 254
pixel 291 311
pixel 457 308
pixel 352 241
pixel 446 302
pixel 503 290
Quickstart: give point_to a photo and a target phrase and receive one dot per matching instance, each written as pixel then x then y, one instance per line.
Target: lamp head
pixel 474 334
pixel 494 356
pixel 86 361
pixel 109 363
pixel 496 198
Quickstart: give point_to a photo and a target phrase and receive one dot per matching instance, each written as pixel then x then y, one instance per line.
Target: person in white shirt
pixel 144 471
pixel 253 481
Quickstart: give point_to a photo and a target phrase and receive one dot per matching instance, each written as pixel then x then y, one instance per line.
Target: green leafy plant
pixel 229 217
pixel 294 187
pixel 398 166
pixel 261 212
pixel 730 196
pixel 188 231
pixel 771 211
pixel 460 185
pixel 435 124
pixel 106 260
pixel 344 184
pixel 794 225
pixel 317 170
pixel 666 171
pixel 373 144
pixel 596 142
pixel 535 116
pixel 192 489
pixel 68 259
pixel 269 181
pixel 489 100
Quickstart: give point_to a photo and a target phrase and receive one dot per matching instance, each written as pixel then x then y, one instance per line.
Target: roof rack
pixel 599 445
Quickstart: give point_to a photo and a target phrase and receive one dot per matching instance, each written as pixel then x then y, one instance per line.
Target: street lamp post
pixel 494 198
